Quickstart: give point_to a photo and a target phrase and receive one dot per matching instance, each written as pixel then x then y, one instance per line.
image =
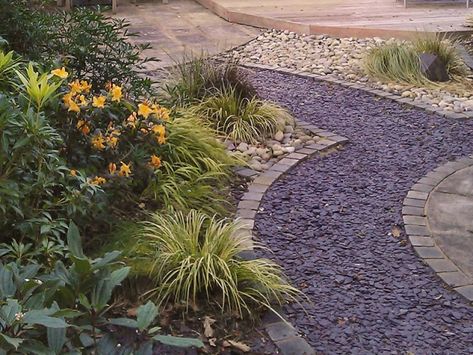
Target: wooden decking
pixel 352 18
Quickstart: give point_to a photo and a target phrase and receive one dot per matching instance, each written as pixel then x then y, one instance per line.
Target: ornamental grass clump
pixel 194 258
pixel 444 49
pixel 195 78
pixel 239 118
pixel 400 62
pixel 394 62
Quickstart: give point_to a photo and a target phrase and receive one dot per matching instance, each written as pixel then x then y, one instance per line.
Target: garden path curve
pixel 333 222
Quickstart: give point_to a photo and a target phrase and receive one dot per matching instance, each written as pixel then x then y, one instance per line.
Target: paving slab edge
pixel 416 225
pixel 363 87
pixel 282 333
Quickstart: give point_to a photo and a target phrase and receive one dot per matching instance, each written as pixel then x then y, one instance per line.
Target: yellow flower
pixel 98 180
pixel 85 86
pixel 112 168
pixel 155 162
pixel 125 169
pixel 144 110
pixel 161 112
pixel 158 130
pixel 131 120
pixel 82 101
pixel 98 142
pixel 98 101
pixel 116 92
pixel 73 106
pixel 112 141
pixel 73 172
pixel 61 73
pixel 160 133
pixel 76 87
pixel 83 127
pixel 161 140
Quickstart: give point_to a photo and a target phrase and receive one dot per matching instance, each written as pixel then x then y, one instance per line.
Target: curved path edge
pixel 282 333
pixel 415 215
pixel 360 86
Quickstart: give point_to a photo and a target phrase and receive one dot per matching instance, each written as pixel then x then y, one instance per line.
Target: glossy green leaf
pixel 124 322
pixel 74 242
pixel 39 317
pixel 56 339
pixel 145 315
pixel 177 341
pixel 14 342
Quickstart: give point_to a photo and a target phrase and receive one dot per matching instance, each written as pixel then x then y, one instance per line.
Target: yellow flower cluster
pixel 125 169
pixel 75 98
pixel 145 110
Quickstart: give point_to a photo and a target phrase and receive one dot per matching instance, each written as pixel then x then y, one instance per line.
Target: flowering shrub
pixel 108 137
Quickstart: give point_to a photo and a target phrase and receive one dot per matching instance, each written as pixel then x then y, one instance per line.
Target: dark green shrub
pixel 91 45
pixel 67 308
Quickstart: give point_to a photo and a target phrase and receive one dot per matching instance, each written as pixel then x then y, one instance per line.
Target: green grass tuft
pixel 240 118
pixel 195 78
pixel 194 258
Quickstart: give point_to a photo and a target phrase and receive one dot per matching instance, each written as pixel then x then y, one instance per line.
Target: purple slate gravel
pixel 328 223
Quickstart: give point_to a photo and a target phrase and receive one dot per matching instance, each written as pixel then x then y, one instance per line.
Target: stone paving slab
pixel 444 237
pixel 181 27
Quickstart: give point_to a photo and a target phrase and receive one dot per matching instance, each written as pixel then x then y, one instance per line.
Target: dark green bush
pixel 68 308
pixel 91 45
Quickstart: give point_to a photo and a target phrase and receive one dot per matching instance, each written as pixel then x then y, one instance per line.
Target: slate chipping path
pixel 328 223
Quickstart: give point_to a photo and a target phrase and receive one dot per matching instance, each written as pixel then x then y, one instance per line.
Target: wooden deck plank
pixel 342 17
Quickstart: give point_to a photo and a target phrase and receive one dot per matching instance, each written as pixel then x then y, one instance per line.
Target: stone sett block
pixel 254 196
pixel 417 195
pixel 257 188
pixel 326 142
pixel 326 134
pixel 246 223
pixel 413 211
pixel 454 279
pixel 414 203
pixel 466 291
pixel 249 205
pixel 339 139
pixel 420 241
pixel 288 162
pixel 437 175
pixel 280 167
pixel 306 151
pixel 441 265
pixel 280 330
pixel 422 188
pixel 295 346
pixel 246 213
pixel 429 252
pixel 318 147
pixel 297 155
pixel 265 180
pixel 415 220
pixel 429 181
pixel 416 230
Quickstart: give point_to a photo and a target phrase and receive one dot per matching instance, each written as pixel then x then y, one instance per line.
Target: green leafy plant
pixel 195 78
pixel 89 43
pixel 67 309
pixel 194 258
pixel 240 118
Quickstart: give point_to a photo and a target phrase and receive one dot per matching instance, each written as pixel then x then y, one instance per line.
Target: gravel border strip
pixel 415 219
pixel 282 333
pixel 363 87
